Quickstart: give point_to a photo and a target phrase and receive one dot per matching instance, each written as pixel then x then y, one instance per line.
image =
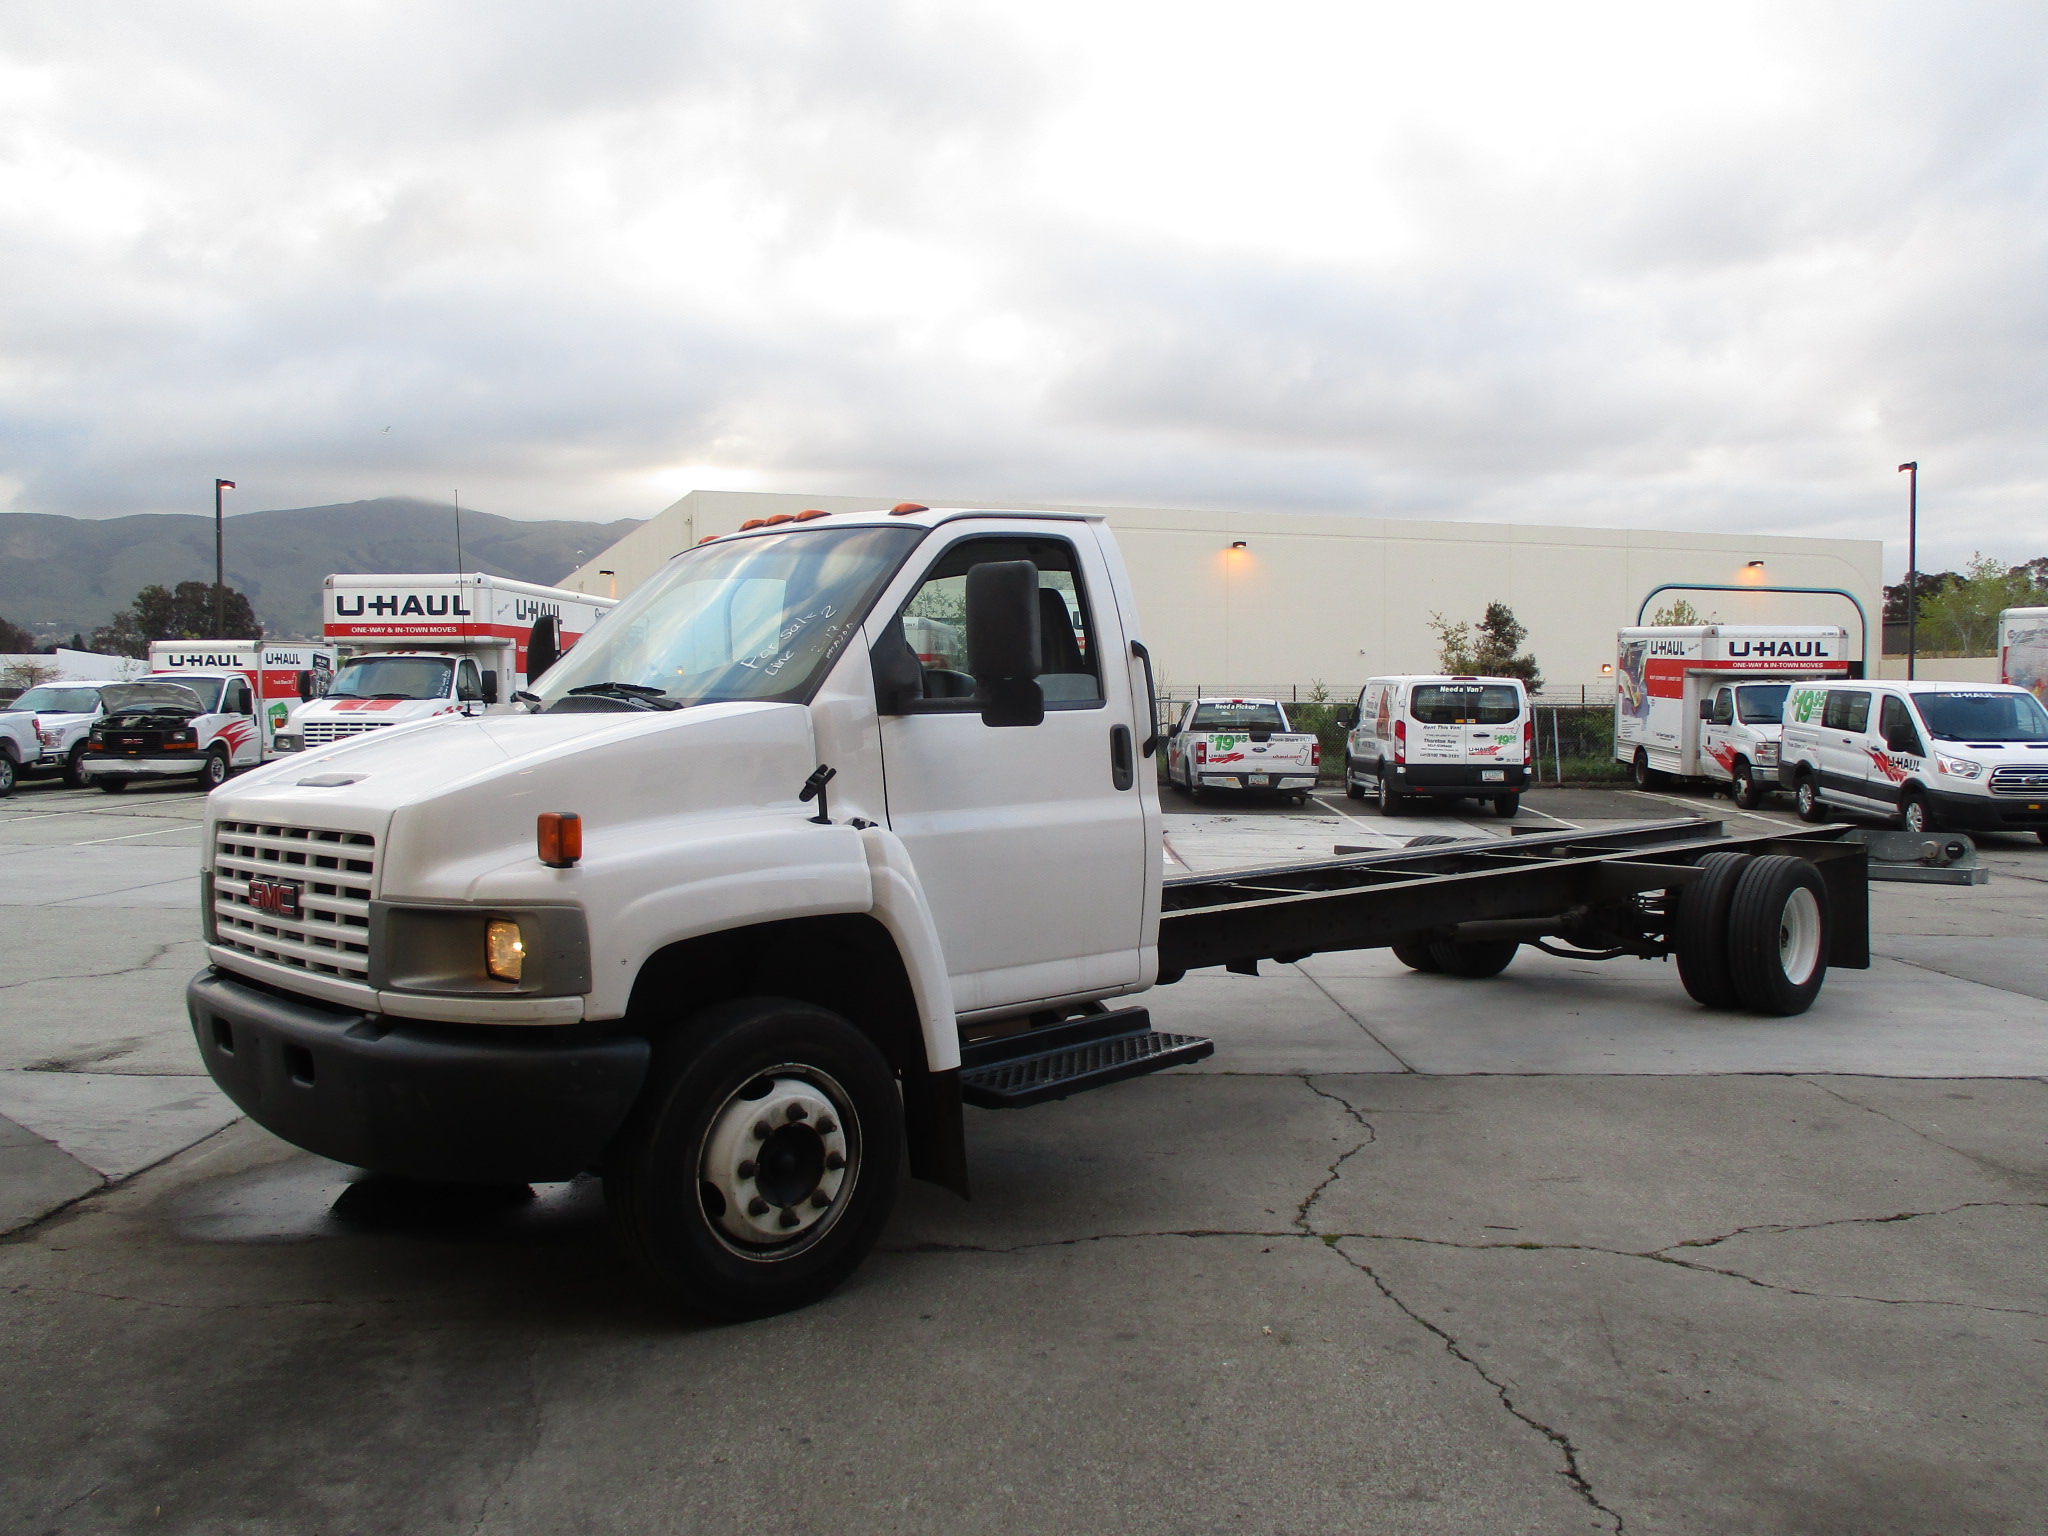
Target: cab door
pixel 240 730
pixel 1034 844
pixel 1718 748
pixel 1847 768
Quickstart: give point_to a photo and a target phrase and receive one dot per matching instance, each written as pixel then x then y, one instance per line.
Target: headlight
pixel 1959 767
pixel 504 950
pixel 1767 751
pixel 284 743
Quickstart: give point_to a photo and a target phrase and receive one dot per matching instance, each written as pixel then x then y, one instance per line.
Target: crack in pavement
pixel 148 962
pixel 2000 1169
pixel 1336 1169
pixel 1363 1028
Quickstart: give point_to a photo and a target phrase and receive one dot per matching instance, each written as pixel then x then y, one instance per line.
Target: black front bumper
pixel 1982 813
pixel 501 1104
pixel 1462 779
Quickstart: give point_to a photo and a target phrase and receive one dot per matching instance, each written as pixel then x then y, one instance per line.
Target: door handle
pixel 1123 768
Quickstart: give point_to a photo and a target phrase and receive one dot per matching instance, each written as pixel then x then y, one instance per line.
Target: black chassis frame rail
pixel 1366 901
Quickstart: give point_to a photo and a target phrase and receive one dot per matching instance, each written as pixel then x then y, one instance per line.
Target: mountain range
pixel 60 575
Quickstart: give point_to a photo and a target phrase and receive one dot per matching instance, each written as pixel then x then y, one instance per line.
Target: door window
pixel 934 623
pixel 236 701
pixel 1724 707
pixel 469 683
pixel 1847 710
pixel 1900 735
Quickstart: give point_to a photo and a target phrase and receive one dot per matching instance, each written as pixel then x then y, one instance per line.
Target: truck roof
pixel 1444 677
pixel 915 514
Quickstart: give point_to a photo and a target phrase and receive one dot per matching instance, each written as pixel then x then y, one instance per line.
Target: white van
pixel 1963 755
pixel 1443 738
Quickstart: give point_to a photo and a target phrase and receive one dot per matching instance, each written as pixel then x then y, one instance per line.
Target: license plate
pixel 1260 780
pixel 1493 775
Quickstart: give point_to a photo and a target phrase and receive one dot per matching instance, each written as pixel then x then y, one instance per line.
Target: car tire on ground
pixel 1353 790
pixel 1505 806
pixel 74 767
pixel 1778 934
pixel 760 1164
pixel 1915 814
pixel 6 773
pixel 112 784
pixel 1745 791
pixel 1806 799
pixel 214 771
pixel 1698 930
pixel 1640 773
pixel 1473 958
pixel 1417 955
pixel 1392 801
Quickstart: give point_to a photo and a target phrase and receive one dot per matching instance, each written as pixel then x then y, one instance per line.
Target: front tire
pixel 1473 958
pixel 1915 814
pixel 1745 791
pixel 760 1165
pixel 1353 790
pixel 214 772
pixel 1806 799
pixel 1778 935
pixel 74 767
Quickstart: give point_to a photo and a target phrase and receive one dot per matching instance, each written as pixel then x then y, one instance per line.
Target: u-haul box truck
pixel 1704 701
pixel 2023 650
pixel 427 645
pixel 278 675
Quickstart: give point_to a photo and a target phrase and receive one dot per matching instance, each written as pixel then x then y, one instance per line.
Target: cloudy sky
pixel 1659 265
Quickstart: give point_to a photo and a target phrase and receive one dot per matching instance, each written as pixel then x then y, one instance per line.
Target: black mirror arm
pixel 1151 699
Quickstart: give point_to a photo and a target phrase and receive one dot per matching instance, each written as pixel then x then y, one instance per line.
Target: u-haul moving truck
pixel 1667 703
pixel 427 645
pixel 2023 650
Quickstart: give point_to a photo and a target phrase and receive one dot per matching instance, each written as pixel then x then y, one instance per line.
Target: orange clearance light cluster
pixel 559 835
pixel 778 519
pixel 753 522
pixel 707 538
pixel 810 512
pixel 905 508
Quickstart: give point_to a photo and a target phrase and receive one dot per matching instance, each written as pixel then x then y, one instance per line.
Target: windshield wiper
pixel 637 695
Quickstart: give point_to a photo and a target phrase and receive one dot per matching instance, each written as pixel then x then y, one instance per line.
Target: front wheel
pixel 1474 958
pixel 214 772
pixel 1746 792
pixel 74 768
pixel 1915 814
pixel 1353 790
pixel 1806 799
pixel 760 1165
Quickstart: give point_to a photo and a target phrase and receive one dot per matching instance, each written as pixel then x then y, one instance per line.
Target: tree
pixel 14 639
pixel 1962 617
pixel 186 613
pixel 25 674
pixel 1681 612
pixel 1490 648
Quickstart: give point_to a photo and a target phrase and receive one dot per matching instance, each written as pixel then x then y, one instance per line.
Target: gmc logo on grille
pixel 280 898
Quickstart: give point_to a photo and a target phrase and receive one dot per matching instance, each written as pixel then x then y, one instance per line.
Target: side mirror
pixel 1002 641
pixel 543 646
pixel 490 694
pixel 1706 709
pixel 305 681
pixel 1347 721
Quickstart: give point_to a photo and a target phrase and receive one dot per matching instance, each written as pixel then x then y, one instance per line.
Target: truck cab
pixel 1741 733
pixel 386 688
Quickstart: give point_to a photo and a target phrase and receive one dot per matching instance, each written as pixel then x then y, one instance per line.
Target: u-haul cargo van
pixel 1705 701
pixel 426 645
pixel 2023 650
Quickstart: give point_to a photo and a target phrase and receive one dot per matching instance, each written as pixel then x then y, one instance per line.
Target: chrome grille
pixel 318 733
pixel 2016 780
pixel 336 872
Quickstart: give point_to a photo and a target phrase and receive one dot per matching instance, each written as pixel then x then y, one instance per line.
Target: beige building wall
pixel 1337 599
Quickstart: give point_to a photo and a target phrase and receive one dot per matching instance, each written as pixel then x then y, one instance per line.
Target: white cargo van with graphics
pixel 1241 744
pixel 428 646
pixel 1935 755
pixel 1702 701
pixel 1440 737
pixel 2023 650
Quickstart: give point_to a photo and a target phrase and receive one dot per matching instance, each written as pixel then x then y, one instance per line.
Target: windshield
pixel 50 700
pixel 758 618
pixel 1465 703
pixel 1761 703
pixel 1239 717
pixel 393 677
pixel 1968 716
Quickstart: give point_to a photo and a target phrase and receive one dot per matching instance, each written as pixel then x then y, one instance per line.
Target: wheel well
pixel 846 962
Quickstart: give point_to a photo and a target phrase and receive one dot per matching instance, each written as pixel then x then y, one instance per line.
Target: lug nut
pixel 762 1130
pixel 834 1161
pixel 757 1206
pixel 798 1112
pixel 820 1200
pixel 827 1125
pixel 788 1218
pixel 747 1169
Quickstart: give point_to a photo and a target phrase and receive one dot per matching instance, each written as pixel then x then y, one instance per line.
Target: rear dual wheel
pixel 1752 932
pixel 760 1164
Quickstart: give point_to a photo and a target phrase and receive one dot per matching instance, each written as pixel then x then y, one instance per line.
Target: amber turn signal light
pixel 559 835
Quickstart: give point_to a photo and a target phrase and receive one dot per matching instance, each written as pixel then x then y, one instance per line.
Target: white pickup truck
pixel 752 899
pixel 1243 744
pixel 48 724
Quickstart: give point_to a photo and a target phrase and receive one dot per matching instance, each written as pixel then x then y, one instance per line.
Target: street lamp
pixel 1912 473
pixel 220 574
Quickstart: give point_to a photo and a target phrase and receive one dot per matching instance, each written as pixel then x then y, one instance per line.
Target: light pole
pixel 1912 473
pixel 220 572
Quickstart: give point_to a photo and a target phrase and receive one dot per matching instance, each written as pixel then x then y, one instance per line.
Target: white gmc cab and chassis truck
pixel 751 899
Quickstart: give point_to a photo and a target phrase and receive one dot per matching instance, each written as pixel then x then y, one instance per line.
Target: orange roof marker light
pixel 778 519
pixel 707 538
pixel 558 837
pixel 753 522
pixel 810 512
pixel 905 508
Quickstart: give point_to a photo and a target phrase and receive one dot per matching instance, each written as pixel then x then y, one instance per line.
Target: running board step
pixel 1058 1060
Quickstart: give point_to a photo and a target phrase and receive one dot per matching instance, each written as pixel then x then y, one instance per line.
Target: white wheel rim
pixel 781 1164
pixel 1799 937
pixel 1915 819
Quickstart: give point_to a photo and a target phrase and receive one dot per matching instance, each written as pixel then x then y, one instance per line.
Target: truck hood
pixel 451 799
pixel 372 711
pixel 150 699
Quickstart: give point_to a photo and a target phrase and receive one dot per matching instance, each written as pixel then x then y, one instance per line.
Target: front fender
pixel 900 907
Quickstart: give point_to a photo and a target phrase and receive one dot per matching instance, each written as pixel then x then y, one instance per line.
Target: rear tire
pixel 1778 935
pixel 1640 773
pixel 1505 806
pixel 1806 799
pixel 1699 930
pixel 112 785
pixel 1417 955
pixel 702 1196
pixel 6 775
pixel 1745 791
pixel 1392 801
pixel 1473 959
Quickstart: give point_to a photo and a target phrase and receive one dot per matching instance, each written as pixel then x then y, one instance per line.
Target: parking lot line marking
pixel 125 836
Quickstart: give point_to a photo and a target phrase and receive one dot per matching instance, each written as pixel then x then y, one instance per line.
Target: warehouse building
pixel 1248 601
